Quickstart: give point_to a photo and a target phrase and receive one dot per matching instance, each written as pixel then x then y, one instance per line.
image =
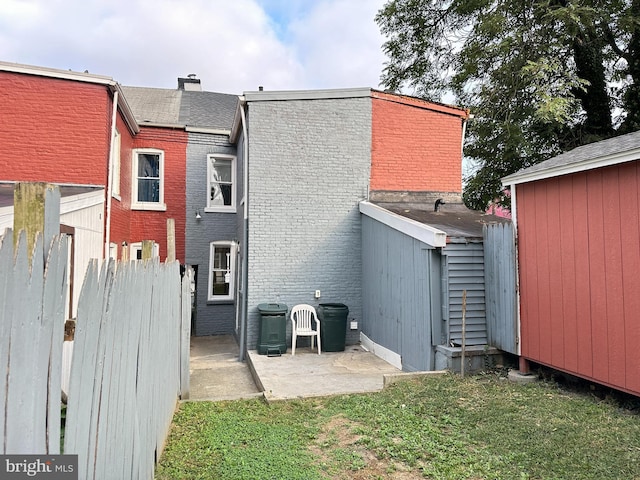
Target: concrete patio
pixel 216 373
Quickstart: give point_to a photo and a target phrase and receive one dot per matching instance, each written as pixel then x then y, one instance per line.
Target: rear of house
pixel 188 129
pixel 341 192
pixel 309 157
pixel 578 224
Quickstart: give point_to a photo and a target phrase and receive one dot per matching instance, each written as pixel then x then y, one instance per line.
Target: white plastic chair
pixel 303 318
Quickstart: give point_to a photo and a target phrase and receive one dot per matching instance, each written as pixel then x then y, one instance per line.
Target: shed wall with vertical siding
pixel 579 258
pixel 401 294
pixel 500 286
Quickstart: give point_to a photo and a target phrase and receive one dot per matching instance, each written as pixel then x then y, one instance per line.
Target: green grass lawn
pixel 446 427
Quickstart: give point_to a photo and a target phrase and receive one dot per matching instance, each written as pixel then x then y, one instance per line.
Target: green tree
pixel 536 74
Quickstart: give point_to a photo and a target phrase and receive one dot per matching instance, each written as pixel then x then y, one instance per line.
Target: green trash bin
pixel 272 329
pixel 333 326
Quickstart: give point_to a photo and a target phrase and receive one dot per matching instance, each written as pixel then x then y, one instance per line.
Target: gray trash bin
pixel 272 330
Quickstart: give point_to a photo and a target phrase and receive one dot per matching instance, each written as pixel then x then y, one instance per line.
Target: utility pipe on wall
pixel 245 243
pixel 464 332
pixel 107 232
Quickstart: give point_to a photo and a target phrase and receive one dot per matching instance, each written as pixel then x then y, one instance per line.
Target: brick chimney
pixel 191 83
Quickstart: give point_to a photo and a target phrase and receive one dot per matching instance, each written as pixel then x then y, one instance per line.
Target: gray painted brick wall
pixel 309 164
pixel 211 319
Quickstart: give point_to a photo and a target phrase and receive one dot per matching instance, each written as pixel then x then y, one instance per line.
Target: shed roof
pixel 455 219
pixel 453 222
pixel 612 151
pixel 181 108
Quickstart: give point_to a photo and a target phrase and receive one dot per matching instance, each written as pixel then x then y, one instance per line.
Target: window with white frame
pixel 221 183
pixel 115 187
pixel 136 250
pixel 148 180
pixel 222 263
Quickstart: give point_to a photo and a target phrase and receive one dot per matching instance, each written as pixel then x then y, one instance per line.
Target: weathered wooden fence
pixel 130 359
pixel 32 301
pixel 125 373
pixel 500 286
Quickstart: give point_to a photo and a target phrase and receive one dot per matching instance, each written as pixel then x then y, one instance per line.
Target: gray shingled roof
pixel 182 107
pixel 154 105
pixel 592 151
pixel 208 109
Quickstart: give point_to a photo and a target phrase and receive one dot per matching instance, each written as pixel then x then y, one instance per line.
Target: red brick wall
pixel 53 130
pixel 151 225
pixel 120 208
pixel 416 146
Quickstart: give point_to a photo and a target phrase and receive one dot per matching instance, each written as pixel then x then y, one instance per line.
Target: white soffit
pixel 429 235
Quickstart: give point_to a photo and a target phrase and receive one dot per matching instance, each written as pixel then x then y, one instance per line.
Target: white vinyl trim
pixel 589 164
pixel 429 235
pixel 384 353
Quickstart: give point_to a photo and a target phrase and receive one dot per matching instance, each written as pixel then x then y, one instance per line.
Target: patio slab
pixel 216 373
pixel 308 374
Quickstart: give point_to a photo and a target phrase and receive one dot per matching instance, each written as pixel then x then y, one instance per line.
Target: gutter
pixel 212 131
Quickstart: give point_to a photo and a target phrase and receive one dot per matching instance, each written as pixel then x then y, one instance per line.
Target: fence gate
pixel 500 286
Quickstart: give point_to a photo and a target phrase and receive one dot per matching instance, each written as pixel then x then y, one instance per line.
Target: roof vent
pixel 190 83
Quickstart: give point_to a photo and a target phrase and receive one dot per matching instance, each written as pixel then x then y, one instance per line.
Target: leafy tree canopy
pixel 539 76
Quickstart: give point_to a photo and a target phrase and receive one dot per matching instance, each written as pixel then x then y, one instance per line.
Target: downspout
pixel 107 235
pixel 514 221
pixel 464 131
pixel 245 243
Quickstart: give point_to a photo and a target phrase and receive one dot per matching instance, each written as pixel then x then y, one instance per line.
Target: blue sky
pixel 232 45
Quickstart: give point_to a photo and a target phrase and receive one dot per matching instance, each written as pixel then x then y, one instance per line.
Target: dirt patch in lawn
pixel 337 447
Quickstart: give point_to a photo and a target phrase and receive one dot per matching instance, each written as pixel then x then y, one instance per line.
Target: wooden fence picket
pixel 6 314
pixel 31 327
pixel 53 311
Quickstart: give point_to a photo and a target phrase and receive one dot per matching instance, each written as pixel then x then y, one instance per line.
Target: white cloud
pixel 232 46
pixel 341 44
